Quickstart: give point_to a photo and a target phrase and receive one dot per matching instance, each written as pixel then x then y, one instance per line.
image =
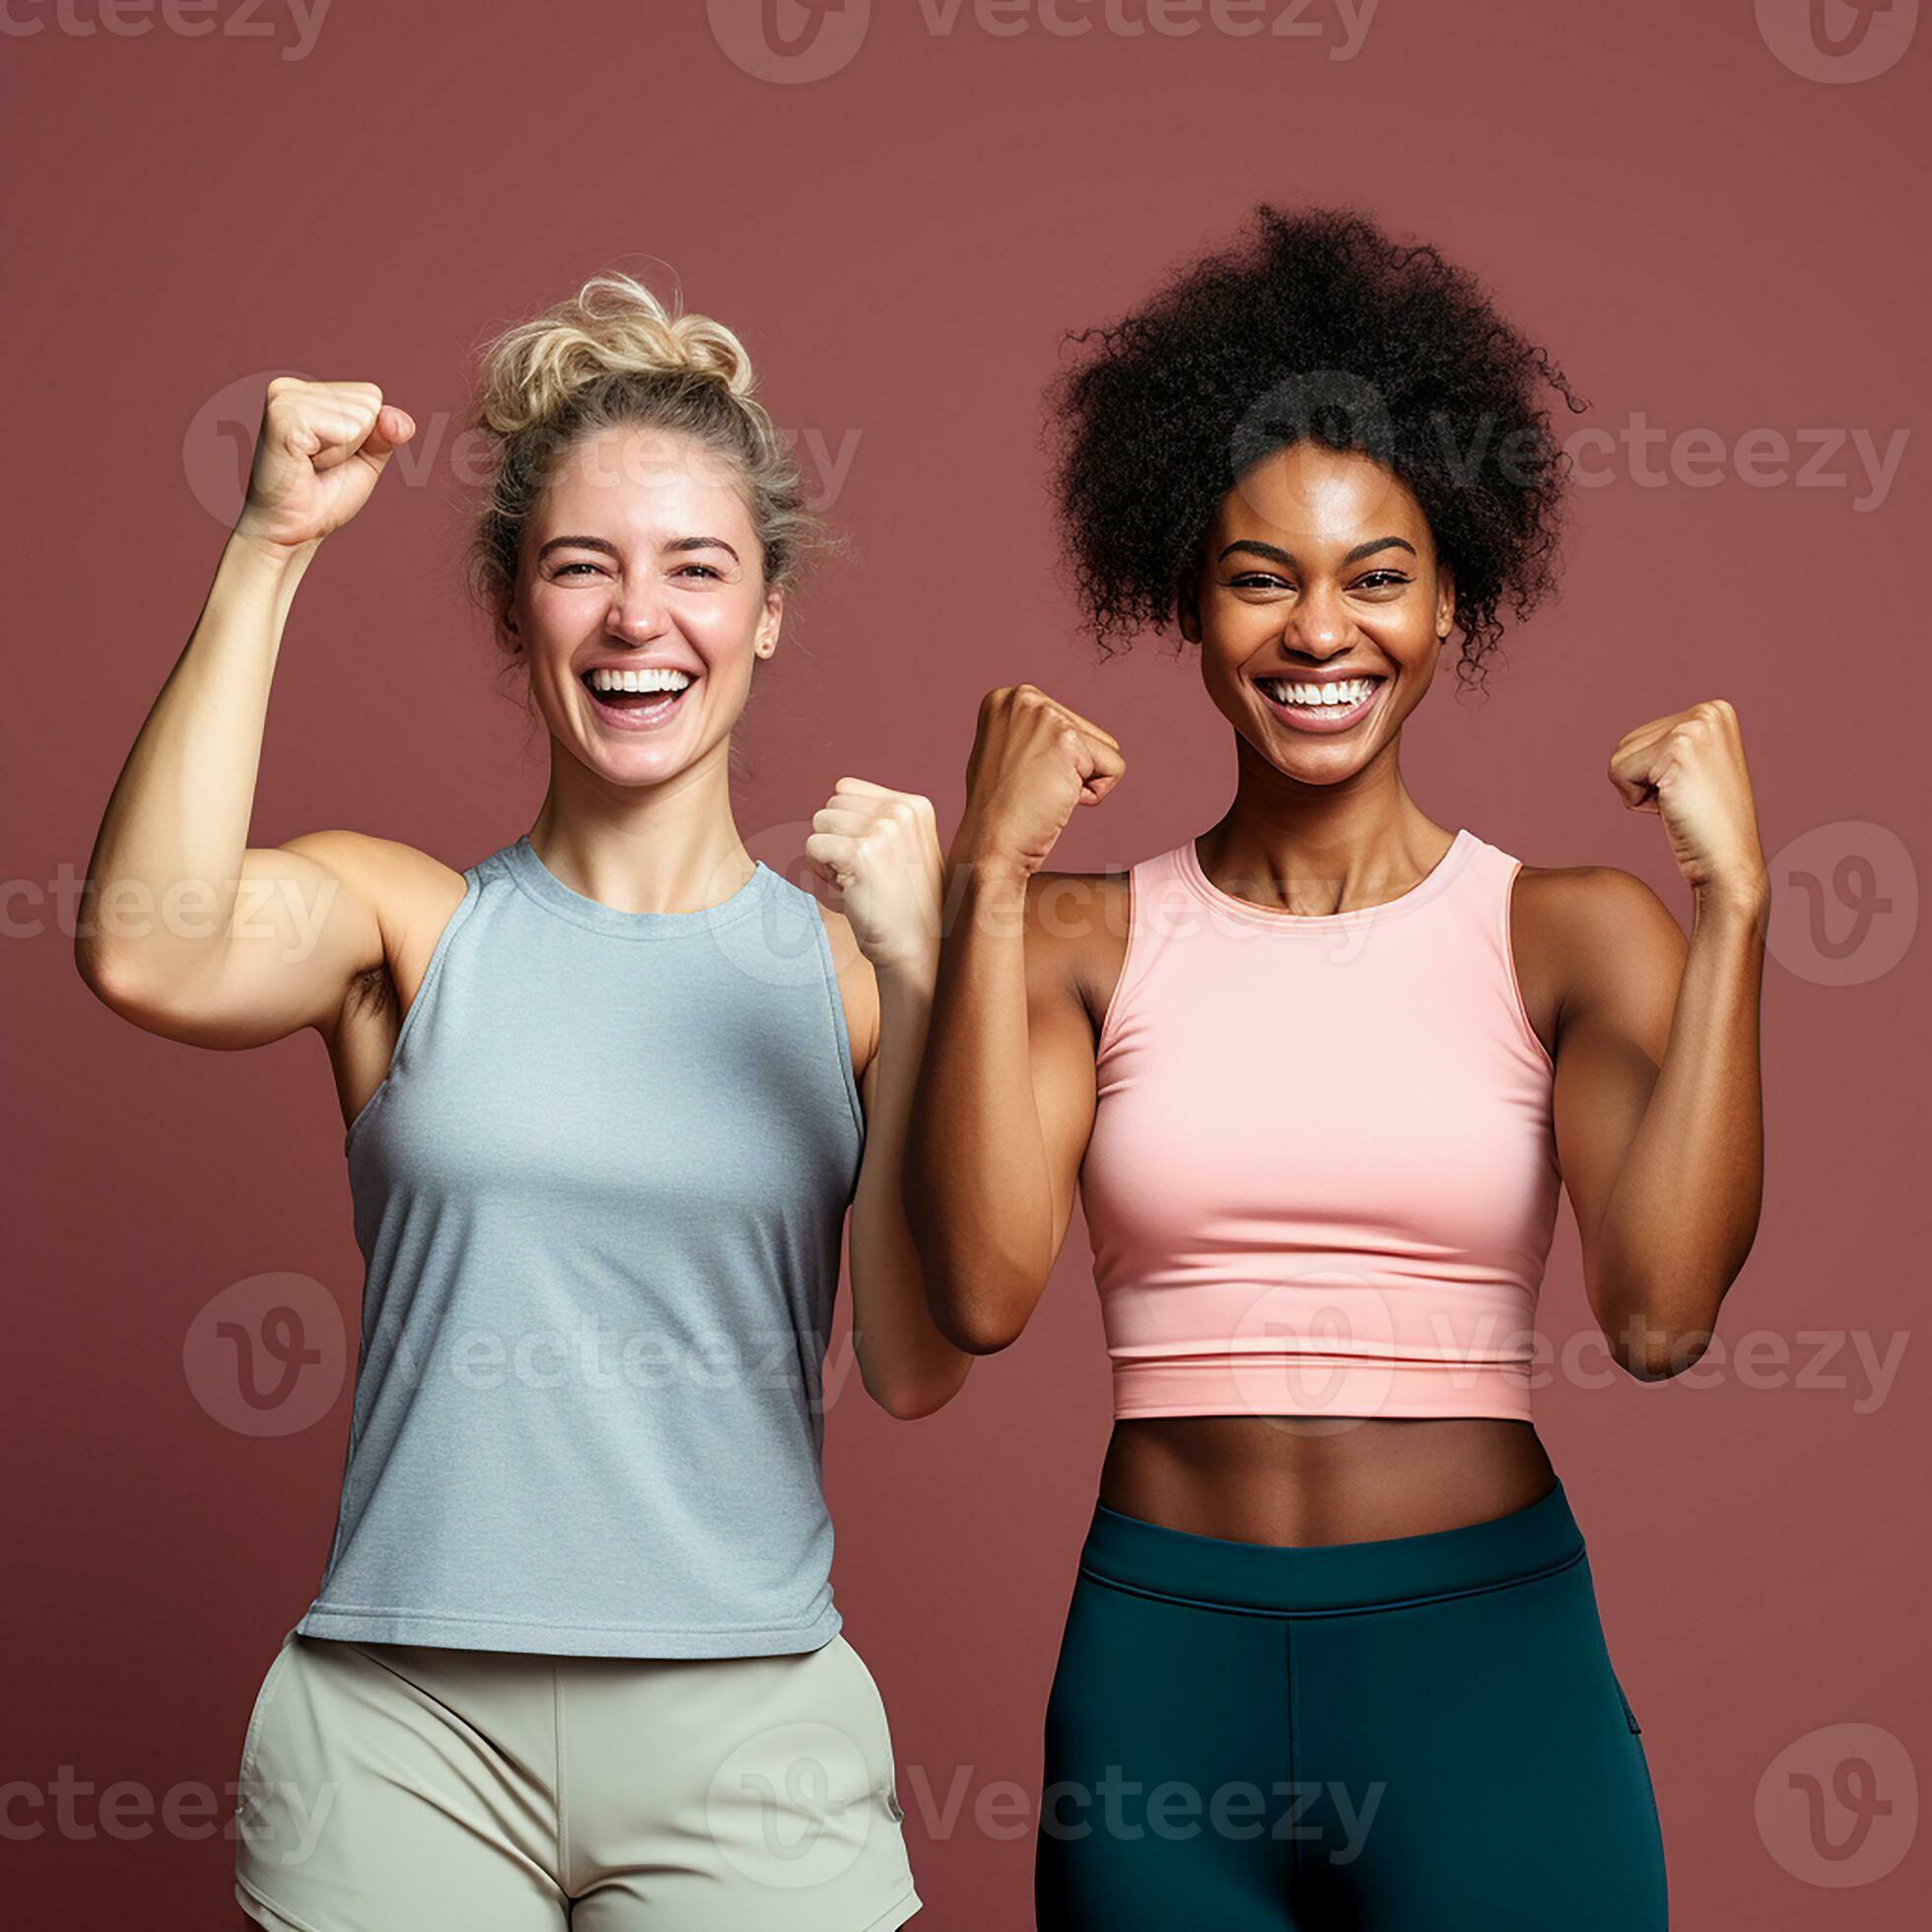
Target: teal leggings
pixel 1417 1735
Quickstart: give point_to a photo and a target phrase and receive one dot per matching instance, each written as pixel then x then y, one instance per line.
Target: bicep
pixel 305 922
pixel 1626 954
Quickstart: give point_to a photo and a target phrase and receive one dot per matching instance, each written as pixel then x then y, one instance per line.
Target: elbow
pixel 911 1380
pixel 971 1309
pixel 983 1336
pixel 1654 1339
pixel 112 977
pixel 129 989
pixel 1661 1363
pixel 974 1317
pixel 906 1399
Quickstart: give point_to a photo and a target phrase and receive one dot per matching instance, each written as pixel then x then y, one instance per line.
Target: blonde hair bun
pixel 613 325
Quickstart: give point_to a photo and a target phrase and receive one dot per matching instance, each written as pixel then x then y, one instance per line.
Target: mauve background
pixel 1701 233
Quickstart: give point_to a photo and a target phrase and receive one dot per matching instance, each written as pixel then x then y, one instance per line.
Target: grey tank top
pixel 600 1195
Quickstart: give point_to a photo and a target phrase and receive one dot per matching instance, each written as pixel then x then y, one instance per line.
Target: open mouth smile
pixel 1321 704
pixel 636 700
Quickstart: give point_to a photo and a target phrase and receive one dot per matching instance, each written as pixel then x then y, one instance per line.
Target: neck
pixel 667 847
pixel 1321 848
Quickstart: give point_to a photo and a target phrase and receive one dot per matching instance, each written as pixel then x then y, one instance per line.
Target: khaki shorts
pixel 406 1788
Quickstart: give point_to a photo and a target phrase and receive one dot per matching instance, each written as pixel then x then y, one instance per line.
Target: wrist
pixel 1744 900
pixel 986 865
pixel 264 554
pixel 908 971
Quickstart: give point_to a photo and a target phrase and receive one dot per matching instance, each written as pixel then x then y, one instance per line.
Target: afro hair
pixel 1314 326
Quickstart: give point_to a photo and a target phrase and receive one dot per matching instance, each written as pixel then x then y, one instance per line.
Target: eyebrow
pixel 679 545
pixel 1278 555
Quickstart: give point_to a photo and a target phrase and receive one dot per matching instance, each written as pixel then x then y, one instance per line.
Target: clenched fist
pixel 320 447
pixel 879 852
pixel 1033 761
pixel 1689 768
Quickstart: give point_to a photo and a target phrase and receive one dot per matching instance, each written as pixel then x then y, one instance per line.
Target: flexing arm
pixel 1659 1114
pixel 878 849
pixel 1006 1095
pixel 909 1366
pixel 185 930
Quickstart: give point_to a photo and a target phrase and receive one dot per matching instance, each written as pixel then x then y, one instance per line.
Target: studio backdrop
pixel 1713 215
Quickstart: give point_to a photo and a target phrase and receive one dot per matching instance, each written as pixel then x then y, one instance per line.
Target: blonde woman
pixel 609 1094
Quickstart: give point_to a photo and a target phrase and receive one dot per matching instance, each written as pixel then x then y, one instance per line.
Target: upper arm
pixel 1621 957
pixel 859 1000
pixel 1059 1039
pixel 307 919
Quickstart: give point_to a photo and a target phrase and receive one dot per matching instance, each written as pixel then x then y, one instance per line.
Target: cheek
pixel 1232 629
pixel 1405 631
pixel 554 624
pixel 725 631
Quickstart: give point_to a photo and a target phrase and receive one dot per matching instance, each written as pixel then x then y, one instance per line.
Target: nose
pixel 1319 625
pixel 636 612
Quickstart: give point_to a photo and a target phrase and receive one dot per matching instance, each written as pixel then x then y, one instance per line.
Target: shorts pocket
pixel 888 1775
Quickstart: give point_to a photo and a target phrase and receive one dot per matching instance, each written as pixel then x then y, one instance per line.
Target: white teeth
pixel 1345 692
pixel 644 681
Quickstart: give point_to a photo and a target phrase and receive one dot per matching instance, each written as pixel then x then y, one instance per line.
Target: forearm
pixel 977 1190
pixel 906 1363
pixel 176 823
pixel 1685 1210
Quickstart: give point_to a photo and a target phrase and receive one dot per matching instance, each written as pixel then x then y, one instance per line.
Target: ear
pixel 1445 599
pixel 1187 604
pixel 770 622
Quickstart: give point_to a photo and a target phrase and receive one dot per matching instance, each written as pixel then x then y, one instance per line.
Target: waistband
pixel 1311 1384
pixel 1332 1578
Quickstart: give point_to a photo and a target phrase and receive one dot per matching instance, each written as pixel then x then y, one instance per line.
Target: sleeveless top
pixel 600 1195
pixel 1322 1176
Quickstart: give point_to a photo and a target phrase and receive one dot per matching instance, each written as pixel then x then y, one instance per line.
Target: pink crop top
pixel 1322 1177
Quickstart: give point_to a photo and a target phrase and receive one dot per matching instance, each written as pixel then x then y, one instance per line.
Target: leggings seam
pixel 1295 1859
pixel 1337 1610
pixel 563 1802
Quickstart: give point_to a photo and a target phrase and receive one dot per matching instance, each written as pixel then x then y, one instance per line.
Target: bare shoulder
pixel 1590 905
pixel 1076 928
pixel 410 890
pixel 1591 937
pixel 1067 908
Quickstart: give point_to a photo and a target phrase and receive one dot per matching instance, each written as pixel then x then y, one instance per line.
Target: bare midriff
pixel 1312 1479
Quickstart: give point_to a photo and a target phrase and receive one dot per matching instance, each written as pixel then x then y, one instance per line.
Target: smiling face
pixel 1320 608
pixel 640 605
